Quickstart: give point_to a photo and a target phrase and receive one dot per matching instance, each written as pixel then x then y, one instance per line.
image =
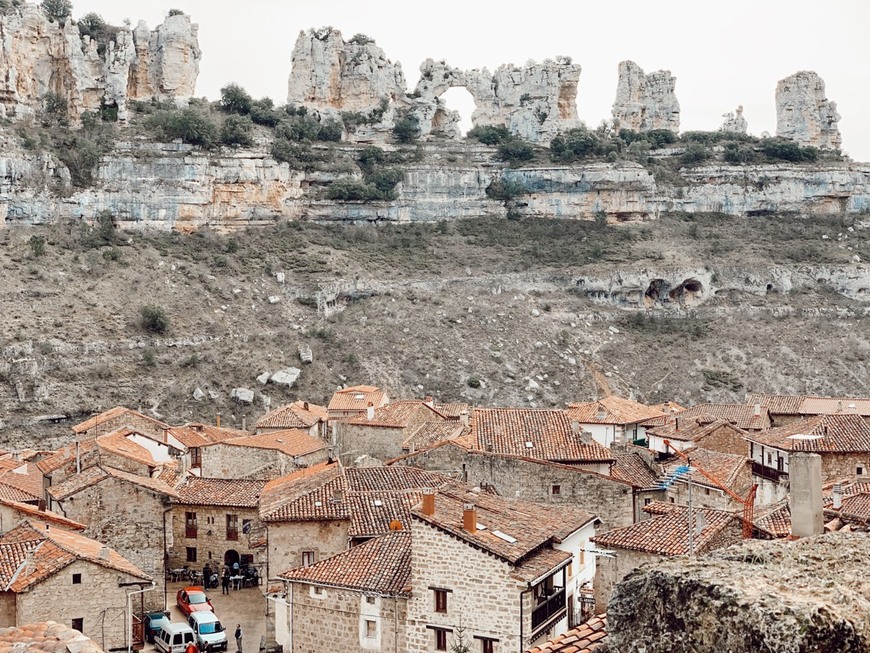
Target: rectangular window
pixel 308 558
pixel 769 458
pixel 370 600
pixel 232 527
pixel 195 457
pixel 190 524
pixel 371 629
pixel 440 639
pixel 556 489
pixel 318 590
pixel 79 624
pixel 859 471
pixel 77 579
pixel 191 554
pixel 440 600
pixel 487 645
pixel 647 501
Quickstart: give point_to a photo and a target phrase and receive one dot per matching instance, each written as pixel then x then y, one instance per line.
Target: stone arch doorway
pixel 231 557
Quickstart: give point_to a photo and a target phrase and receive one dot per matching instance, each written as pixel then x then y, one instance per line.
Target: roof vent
pixel 504 536
pixel 317 504
pixel 529 444
pixel 279 440
pixel 378 503
pixel 359 396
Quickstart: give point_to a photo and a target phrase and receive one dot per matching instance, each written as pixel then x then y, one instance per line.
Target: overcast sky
pixel 722 53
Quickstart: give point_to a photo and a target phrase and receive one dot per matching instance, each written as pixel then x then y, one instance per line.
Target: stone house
pixel 683 433
pixel 842 441
pixel 126 511
pixel 612 419
pixel 13 512
pixel 216 521
pixel 300 415
pixel 505 574
pixel 734 471
pixel 50 573
pixel 264 456
pixel 743 416
pixel 20 480
pixel 116 418
pixel 193 438
pixel 318 512
pixel 351 401
pixel 353 601
pixel 784 409
pixel 666 534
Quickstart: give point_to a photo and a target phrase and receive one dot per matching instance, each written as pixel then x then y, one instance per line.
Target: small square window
pixel 370 600
pixel 308 558
pixel 191 554
pixel 371 629
pixel 79 624
pixel 647 501
pixel 859 471
pixel 707 490
pixel 487 645
pixel 556 489
pixel 318 591
pixel 440 600
pixel 77 579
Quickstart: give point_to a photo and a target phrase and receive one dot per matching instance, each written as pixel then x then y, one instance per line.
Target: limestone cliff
pixel 804 114
pixel 645 102
pixel 734 122
pixel 38 57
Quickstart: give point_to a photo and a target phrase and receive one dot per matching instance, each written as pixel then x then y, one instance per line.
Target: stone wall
pixel 211 542
pixel 378 442
pixel 287 541
pixel 725 440
pixel 7 610
pixel 231 461
pixel 610 571
pixel 335 620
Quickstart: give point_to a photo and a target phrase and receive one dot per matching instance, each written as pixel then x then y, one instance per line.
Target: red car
pixel 193 599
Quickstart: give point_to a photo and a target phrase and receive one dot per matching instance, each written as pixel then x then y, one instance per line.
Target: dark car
pixel 152 622
pixel 193 599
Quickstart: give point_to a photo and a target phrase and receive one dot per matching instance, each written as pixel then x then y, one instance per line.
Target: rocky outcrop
pixel 734 122
pixel 38 57
pixel 804 114
pixel 812 595
pixel 645 102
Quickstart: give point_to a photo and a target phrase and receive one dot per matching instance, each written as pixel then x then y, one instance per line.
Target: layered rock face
pixel 645 102
pixel 38 57
pixel 804 114
pixel 812 595
pixel 734 122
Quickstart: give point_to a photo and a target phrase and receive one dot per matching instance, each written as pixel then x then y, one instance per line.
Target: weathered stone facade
pixel 804 114
pixel 226 460
pixel 212 539
pixel 645 102
pixel 288 540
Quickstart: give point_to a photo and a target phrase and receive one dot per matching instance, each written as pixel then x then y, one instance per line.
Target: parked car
pixel 193 599
pixel 210 633
pixel 174 638
pixel 152 622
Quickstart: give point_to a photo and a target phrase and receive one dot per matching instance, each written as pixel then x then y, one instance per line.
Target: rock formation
pixel 734 122
pixel 645 102
pixel 804 114
pixel 38 57
pixel 789 597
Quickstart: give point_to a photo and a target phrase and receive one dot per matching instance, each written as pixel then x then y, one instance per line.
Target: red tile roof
pixel 292 442
pixel 196 434
pixel 45 637
pixel 30 511
pixel 24 479
pixel 357 398
pixel 724 466
pixel 298 415
pixel 585 638
pixel 113 413
pixel 632 468
pixel 32 552
pixel 453 411
pixel 611 410
pixel 400 414
pixel 306 494
pixel 236 493
pixel 99 473
pixel 695 429
pixel 65 455
pixel 381 566
pixel 119 443
pixel 741 415
pixel 819 434
pixel 811 405
pixel 430 433
pixel 774 519
pixel 549 432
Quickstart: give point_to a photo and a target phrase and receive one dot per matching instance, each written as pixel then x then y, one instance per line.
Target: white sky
pixel 722 53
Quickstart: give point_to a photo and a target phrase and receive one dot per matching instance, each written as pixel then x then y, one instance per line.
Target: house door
pixel 231 557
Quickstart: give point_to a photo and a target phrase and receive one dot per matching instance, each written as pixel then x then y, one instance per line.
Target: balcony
pixel 232 534
pixel 190 531
pixel 549 610
pixel 768 473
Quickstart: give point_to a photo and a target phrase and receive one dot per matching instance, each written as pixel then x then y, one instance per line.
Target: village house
pixel 683 433
pixel 846 506
pixel 192 438
pixel 13 513
pixel 505 574
pixel 126 511
pixel 300 415
pixel 318 512
pixel 264 456
pixel 46 637
pixel 49 573
pixel 20 480
pixel 116 418
pixel 666 534
pixel 613 419
pixel 588 637
pixel 734 471
pixel 215 521
pixel 784 409
pixel 354 601
pixel 351 401
pixel 842 441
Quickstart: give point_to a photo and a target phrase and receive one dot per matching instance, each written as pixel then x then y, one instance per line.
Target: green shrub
pixel 516 152
pixel 55 109
pixel 695 153
pixel 57 10
pixel 263 112
pixel 575 144
pixel 407 128
pixel 154 319
pixel 505 190
pixel 473 382
pixel 236 130
pixel 81 155
pixel 235 99
pixel 370 157
pixel 175 12
pixel 361 39
pixel 490 134
pixel 739 154
pixel 37 245
pixel 300 156
pixel 330 130
pixel 190 125
pixel 298 128
pixel 785 150
pixel 385 181
pixel 92 25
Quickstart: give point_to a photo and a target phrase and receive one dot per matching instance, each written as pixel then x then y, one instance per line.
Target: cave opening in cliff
pixel 657 290
pixel 460 99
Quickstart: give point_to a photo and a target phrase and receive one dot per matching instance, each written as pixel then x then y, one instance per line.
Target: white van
pixel 209 631
pixel 174 637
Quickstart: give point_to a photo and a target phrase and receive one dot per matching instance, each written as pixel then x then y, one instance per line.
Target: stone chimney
pixel 244 421
pixel 805 495
pixel 104 552
pixel 429 401
pixel 676 423
pixel 463 417
pixel 575 426
pixel 469 518
pixel 837 494
pixel 217 420
pixel 338 495
pixel 756 410
pixel 428 502
pixel 370 412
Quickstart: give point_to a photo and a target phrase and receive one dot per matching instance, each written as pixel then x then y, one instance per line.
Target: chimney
pixel 305 405
pixel 338 495
pixel 463 417
pixel 838 496
pixel 370 412
pixel 805 499
pixel 839 406
pixel 428 502
pixel 575 427
pixel 469 518
pixel 104 552
pixel 41 505
pixel 676 423
pixel 429 401
pixel 217 420
pixel 244 421
pixel 756 410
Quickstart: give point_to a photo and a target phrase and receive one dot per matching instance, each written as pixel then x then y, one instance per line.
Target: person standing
pixel 239 638
pixel 206 575
pixel 191 648
pixel 225 582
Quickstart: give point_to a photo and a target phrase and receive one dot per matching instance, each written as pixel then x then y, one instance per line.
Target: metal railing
pixel 548 609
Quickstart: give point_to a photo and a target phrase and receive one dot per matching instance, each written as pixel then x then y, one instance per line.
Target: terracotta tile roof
pixel 668 533
pixel 169 473
pixel 14 494
pixel 540 563
pixel 113 413
pixel 632 468
pixel 381 565
pixel 585 638
pixel 774 519
pixel 724 466
pixel 511 430
pixel 741 415
pixel 453 411
pixel 611 410
pixel 119 443
pixel 357 398
pixel 220 492
pixel 45 637
pixel 531 526
pixel 695 429
pixel 32 552
pixel 292 442
pixel 828 434
pixel 298 415
pixel 400 414
pixel 196 434
pixel 430 433
pixel 65 455
pixel 24 478
pixel 296 497
pixel 390 479
pixel 372 513
pixel 29 511
pixel 811 405
pixel 99 473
